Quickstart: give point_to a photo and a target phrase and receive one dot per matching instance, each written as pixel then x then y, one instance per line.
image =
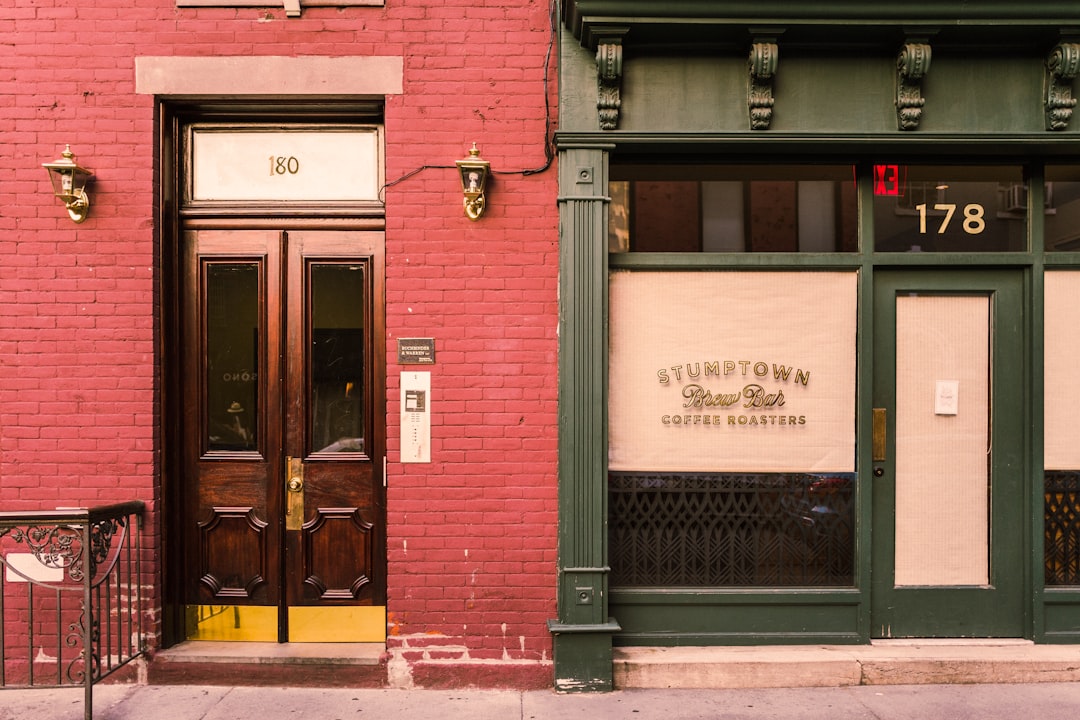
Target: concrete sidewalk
pixel 1044 701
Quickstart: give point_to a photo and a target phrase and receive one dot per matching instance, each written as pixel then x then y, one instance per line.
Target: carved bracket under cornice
pixel 1062 65
pixel 759 97
pixel 912 64
pixel 609 72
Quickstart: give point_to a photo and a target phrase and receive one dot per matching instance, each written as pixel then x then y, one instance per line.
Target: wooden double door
pixel 282 432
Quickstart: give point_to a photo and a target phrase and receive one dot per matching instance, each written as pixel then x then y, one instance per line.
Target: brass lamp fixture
pixel 69 184
pixel 474 175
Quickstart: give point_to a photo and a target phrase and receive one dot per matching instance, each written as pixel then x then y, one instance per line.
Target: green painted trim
pixel 865 400
pixel 908 11
pixel 556 628
pixel 937 148
pixel 582 633
pixel 1035 318
pixel 583 662
pixel 737 639
pixel 854 22
pixel 736 596
pixel 730 261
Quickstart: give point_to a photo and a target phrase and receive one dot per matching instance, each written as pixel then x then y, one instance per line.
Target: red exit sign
pixel 889 180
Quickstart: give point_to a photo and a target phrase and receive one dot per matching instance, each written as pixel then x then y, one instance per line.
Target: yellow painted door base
pixel 257 623
pixel 355 623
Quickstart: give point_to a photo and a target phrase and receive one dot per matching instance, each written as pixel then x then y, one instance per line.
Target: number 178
pixel 973 223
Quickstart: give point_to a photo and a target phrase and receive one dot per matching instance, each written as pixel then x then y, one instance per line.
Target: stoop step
pixel 886 662
pixel 278 664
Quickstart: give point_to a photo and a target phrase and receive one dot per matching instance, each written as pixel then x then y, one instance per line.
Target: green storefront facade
pixel 817 275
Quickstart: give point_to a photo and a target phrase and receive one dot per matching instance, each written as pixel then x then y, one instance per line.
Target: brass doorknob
pixel 296 485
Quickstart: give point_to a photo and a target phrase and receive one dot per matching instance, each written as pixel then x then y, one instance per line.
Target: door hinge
pixel 384 471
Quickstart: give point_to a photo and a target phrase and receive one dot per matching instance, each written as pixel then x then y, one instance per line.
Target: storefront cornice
pixel 842 147
pixel 994 24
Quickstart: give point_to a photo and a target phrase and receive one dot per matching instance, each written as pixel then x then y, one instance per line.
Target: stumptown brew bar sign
pixel 753 405
pixel 732 371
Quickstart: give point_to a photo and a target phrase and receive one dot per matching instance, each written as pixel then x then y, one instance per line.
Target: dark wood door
pixel 282 432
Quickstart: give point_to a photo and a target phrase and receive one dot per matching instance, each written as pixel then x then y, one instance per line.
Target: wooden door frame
pixel 170 220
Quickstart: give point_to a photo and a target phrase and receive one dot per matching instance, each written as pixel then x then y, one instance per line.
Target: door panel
pixel 230 522
pixel 332 328
pixel 282 434
pixel 949 498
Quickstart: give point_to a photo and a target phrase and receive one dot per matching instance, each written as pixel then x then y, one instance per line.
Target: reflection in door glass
pixel 232 355
pixel 337 357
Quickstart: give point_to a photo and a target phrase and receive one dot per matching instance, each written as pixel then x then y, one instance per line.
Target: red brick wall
pixel 471 536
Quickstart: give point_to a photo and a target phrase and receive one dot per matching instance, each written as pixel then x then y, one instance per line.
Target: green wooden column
pixel 583 630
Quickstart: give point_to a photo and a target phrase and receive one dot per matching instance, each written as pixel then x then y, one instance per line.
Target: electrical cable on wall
pixel 549 143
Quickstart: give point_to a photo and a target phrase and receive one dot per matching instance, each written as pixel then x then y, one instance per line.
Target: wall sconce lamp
pixel 474 175
pixel 69 184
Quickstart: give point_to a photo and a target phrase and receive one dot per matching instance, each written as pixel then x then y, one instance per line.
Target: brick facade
pixel 471 536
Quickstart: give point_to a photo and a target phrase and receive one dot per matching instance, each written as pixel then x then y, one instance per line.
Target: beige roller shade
pixel 1061 382
pixel 732 371
pixel 942 440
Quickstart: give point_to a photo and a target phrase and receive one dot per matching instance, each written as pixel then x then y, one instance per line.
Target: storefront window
pixel 731 428
pixel 1061 455
pixel 731 530
pixel 919 208
pixel 1062 224
pixel 733 209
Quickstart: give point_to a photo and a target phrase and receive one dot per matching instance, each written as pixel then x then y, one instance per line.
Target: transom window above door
pixel 938 208
pixel 915 208
pixel 733 209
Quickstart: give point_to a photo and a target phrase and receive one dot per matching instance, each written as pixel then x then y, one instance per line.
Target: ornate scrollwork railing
pixel 70 595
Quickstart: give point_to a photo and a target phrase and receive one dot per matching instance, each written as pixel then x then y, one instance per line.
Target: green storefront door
pixel 951 415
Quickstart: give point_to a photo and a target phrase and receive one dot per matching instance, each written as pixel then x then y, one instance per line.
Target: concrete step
pixel 887 662
pixel 270 664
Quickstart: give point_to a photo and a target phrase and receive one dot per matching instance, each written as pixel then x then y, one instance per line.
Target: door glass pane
pixel 337 357
pixel 942 440
pixel 232 355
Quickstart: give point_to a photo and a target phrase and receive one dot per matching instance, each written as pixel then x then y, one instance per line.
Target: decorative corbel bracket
pixel 764 55
pixel 1062 65
pixel 609 70
pixel 912 64
pixel 292 8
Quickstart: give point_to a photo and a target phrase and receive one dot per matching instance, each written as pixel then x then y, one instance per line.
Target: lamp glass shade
pixel 68 179
pixel 474 173
pixel 69 184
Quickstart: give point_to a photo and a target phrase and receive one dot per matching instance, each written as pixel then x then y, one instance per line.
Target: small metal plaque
pixel 416 351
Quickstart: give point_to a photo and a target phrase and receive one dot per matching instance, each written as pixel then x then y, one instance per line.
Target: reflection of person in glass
pixel 339 419
pixel 230 432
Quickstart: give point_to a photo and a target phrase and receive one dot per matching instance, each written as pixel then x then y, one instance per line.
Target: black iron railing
pixel 70 596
